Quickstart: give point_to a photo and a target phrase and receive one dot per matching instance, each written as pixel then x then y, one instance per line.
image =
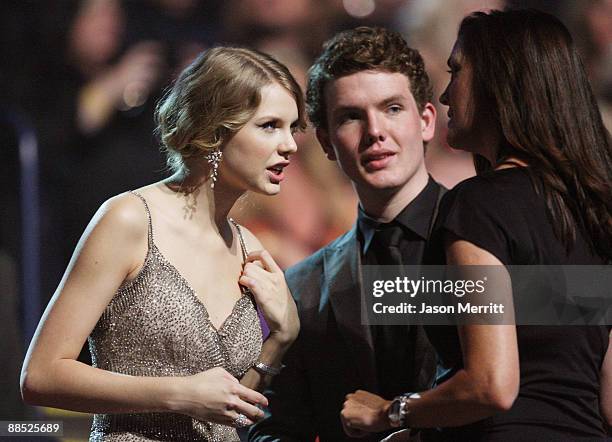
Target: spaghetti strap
pixel 150 228
pixel 245 251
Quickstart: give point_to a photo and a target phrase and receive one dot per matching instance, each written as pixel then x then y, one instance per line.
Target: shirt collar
pixel 416 216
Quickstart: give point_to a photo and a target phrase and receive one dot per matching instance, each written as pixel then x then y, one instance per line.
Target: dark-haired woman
pixel 165 286
pixel 520 101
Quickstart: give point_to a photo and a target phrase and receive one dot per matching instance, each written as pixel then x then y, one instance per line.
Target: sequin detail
pixel 155 325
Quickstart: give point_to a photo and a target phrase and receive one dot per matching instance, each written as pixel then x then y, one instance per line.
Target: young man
pixel 369 99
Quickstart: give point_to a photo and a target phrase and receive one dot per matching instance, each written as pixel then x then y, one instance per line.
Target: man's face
pixel 375 130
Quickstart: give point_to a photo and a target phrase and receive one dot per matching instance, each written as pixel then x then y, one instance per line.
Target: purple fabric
pixel 265 330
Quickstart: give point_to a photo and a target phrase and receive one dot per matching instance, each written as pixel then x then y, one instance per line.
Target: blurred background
pixel 79 81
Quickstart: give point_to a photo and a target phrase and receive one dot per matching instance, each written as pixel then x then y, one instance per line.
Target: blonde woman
pixel 165 287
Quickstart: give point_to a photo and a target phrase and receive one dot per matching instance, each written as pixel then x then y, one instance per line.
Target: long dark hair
pixel 528 75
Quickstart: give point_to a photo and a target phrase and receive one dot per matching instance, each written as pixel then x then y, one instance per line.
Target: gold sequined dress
pixel 155 325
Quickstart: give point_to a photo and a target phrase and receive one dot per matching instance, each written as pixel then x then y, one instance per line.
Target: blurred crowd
pixel 87 74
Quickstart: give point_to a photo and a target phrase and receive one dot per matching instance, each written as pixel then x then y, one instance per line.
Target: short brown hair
pixel 362 49
pixel 214 97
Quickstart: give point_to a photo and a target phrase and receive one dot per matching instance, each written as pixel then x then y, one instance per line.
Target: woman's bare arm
pixel 108 253
pixel 487 384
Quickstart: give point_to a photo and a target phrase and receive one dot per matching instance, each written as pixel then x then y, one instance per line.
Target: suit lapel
pixel 343 278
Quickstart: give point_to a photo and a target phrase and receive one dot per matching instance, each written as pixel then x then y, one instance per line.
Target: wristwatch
pixel 267 370
pixel 398 411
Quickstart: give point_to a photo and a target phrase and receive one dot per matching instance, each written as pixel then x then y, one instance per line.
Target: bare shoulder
pixel 115 239
pixel 126 211
pixel 124 215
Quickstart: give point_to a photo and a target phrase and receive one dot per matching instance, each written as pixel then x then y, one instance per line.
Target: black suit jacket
pixel 333 354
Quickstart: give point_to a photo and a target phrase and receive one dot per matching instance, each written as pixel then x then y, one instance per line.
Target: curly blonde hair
pixel 214 97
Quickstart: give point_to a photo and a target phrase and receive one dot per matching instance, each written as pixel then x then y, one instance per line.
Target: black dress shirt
pixel 415 220
pixel 395 346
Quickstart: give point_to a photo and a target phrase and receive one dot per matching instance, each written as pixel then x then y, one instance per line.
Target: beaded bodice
pixel 155 325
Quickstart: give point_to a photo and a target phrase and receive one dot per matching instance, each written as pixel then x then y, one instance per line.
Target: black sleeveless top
pixel 558 398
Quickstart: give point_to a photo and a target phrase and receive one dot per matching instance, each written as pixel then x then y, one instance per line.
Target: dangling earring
pixel 214 158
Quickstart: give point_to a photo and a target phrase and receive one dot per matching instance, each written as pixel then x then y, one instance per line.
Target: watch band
pixel 267 370
pixel 399 409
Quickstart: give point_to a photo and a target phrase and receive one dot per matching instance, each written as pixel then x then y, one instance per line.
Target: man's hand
pixel 364 413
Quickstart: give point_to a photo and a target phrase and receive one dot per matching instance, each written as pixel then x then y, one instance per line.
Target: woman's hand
pixel 364 412
pixel 216 396
pixel 266 281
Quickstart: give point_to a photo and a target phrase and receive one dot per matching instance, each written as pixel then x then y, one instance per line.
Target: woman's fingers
pixel 238 420
pixel 260 281
pixel 255 282
pixel 252 270
pixel 265 258
pixel 217 396
pixel 251 396
pixel 249 410
pixel 241 410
